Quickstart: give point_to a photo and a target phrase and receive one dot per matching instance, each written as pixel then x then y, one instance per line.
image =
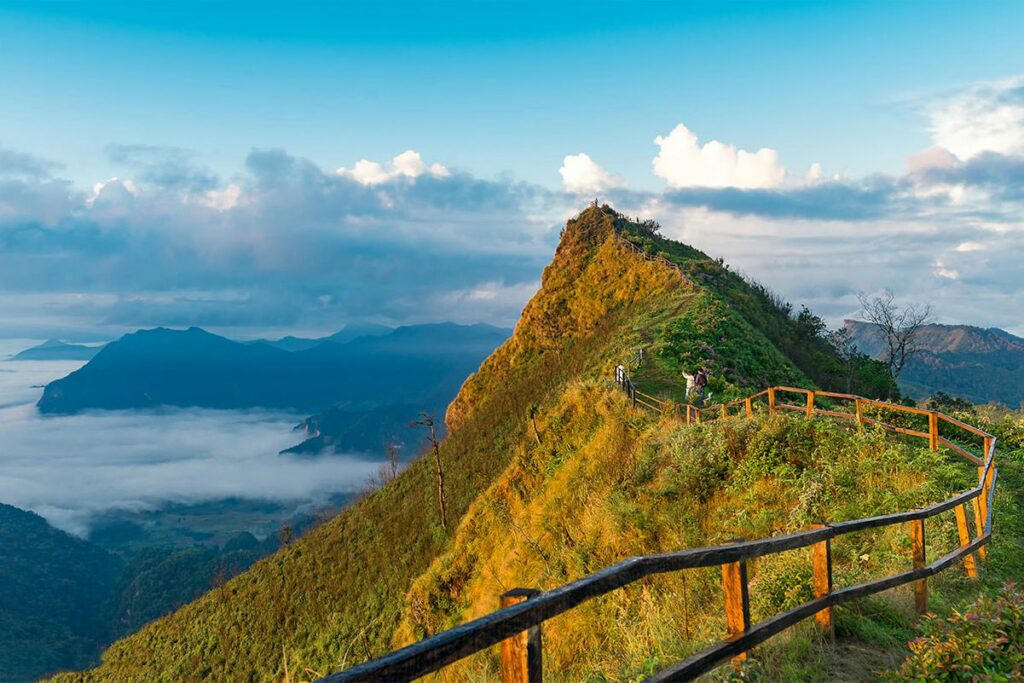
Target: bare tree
pixel 427 420
pixel 898 326
pixel 393 448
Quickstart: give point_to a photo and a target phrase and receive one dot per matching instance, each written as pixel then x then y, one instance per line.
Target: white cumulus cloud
pixel 684 162
pixel 113 190
pixel 582 175
pixel 985 117
pixel 408 164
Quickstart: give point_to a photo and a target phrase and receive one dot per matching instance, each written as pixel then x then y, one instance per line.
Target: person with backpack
pixel 700 381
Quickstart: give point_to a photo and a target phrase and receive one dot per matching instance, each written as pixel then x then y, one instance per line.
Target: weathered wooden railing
pixel 517 625
pixel 655 258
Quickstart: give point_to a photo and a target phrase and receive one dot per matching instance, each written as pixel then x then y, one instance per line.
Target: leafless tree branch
pixel 898 325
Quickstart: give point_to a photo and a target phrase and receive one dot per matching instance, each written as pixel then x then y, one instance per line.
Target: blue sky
pixel 180 100
pixel 491 87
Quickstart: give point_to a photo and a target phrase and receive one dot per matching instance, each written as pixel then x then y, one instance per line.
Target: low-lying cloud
pixel 73 469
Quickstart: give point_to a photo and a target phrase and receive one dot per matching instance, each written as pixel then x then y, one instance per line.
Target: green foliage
pixel 157 581
pixel 945 403
pixel 801 336
pixel 54 586
pixel 984 643
pixel 711 335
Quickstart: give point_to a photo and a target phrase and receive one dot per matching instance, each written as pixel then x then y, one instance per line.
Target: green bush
pixel 985 643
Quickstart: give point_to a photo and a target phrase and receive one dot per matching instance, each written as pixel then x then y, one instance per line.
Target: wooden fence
pixel 639 398
pixel 655 258
pixel 517 626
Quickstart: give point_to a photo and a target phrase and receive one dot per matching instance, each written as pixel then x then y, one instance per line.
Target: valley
pixel 174 499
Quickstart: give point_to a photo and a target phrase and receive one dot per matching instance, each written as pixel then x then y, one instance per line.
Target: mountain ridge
pixel 340 594
pixel 55 349
pixel 345 334
pixel 361 392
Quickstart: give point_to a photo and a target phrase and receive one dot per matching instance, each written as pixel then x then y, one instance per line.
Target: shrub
pixel 985 643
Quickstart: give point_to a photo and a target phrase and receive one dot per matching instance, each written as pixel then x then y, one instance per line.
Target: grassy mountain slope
pixel 341 593
pixel 607 482
pixel 710 334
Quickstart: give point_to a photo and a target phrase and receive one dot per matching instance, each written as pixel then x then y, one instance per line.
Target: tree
pixel 427 420
pixel 808 325
pixel 389 470
pixel 898 326
pixel 945 403
pixel 846 351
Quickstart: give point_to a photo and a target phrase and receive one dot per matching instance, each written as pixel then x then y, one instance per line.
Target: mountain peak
pixel 613 286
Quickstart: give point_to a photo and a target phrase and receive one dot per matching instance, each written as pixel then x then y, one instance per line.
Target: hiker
pixel 700 381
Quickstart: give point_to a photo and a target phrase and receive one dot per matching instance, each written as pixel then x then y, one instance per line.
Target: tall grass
pixel 610 482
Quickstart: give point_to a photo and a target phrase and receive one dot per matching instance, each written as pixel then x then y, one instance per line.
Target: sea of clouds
pixel 73 469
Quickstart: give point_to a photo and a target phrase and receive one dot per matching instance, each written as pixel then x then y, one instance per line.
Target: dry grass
pixel 609 483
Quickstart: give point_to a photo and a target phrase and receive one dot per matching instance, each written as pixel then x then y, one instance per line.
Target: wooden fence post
pixel 725 411
pixel 521 657
pixel 821 555
pixel 771 401
pixel 737 600
pixel 933 430
pixel 965 539
pixel 859 411
pixel 985 489
pixel 750 407
pixel 979 524
pixel 982 506
pixel 810 404
pixel 917 550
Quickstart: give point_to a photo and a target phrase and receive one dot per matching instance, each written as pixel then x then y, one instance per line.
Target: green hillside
pixel 54 588
pixel 550 475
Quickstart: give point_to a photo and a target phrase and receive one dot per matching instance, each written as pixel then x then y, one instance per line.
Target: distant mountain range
pixel 347 334
pixel 365 388
pixel 54 349
pixel 975 363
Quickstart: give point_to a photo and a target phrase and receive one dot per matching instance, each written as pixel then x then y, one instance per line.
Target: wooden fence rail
pixel 655 258
pixel 517 624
